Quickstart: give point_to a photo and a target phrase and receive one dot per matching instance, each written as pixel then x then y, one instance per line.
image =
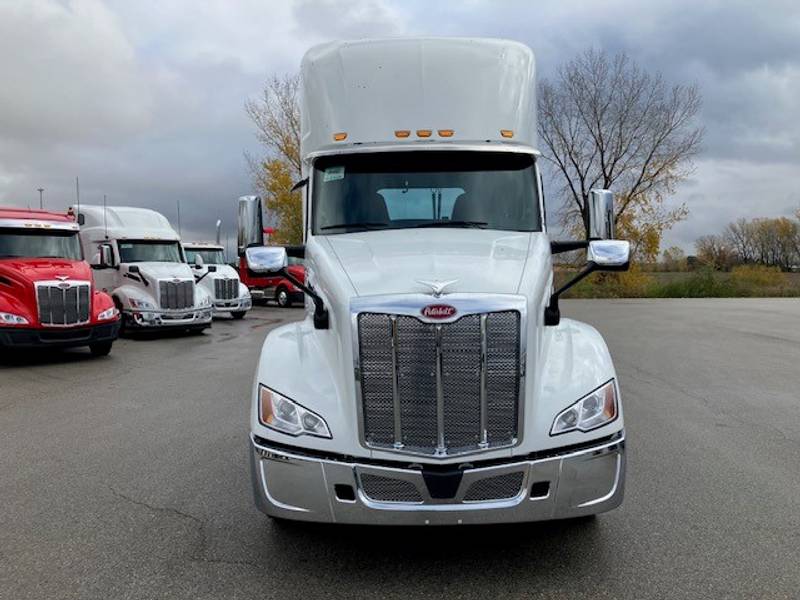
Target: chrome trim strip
pixel 484 443
pixel 398 426
pixel 441 449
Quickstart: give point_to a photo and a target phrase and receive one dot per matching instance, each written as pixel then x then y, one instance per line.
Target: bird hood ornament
pixel 437 287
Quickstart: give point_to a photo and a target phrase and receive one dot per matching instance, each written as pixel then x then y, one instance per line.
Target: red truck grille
pixel 63 303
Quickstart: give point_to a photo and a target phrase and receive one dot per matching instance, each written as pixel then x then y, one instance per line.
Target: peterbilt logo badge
pixel 438 311
pixel 62 277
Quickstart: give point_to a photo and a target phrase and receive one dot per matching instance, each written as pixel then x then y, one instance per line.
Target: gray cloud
pixel 144 100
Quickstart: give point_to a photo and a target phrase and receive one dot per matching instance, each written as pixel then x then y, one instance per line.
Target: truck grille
pixel 439 389
pixel 63 303
pixel 176 294
pixel 226 289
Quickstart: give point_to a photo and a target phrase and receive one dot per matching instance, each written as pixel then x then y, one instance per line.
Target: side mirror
pixel 104 259
pixel 601 215
pixel 198 261
pixel 609 255
pixel 266 259
pixel 250 223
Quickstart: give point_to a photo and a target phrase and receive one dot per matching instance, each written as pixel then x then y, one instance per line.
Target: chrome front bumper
pixel 235 305
pixel 146 319
pixel 290 485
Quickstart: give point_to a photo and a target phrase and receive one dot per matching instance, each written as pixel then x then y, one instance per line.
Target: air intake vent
pixel 440 389
pixel 176 294
pixel 499 487
pixel 389 489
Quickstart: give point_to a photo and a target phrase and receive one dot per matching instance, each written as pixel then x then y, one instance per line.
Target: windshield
pixel 209 256
pixel 15 243
pixel 398 190
pixel 147 251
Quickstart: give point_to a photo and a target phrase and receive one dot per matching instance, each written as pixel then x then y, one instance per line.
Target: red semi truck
pixel 47 294
pixel 277 288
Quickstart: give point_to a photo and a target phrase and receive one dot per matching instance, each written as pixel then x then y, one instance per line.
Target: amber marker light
pixel 506 133
pixel 338 137
pixel 402 133
pixel 445 132
pixel 424 133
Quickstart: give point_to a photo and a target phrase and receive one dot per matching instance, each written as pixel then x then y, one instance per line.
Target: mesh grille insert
pixel 499 487
pixel 389 489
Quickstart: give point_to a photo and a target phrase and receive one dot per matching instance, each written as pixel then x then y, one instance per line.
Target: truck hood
pixel 222 272
pixel 162 270
pixel 393 262
pixel 42 269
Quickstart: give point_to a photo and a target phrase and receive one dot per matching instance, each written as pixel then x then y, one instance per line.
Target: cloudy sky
pixel 144 100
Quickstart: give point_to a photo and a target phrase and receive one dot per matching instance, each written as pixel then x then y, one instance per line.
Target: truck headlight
pixel 142 304
pixel 12 319
pixel 278 412
pixel 590 412
pixel 108 314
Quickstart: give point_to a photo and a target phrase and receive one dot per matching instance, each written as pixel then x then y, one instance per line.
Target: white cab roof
pixel 126 222
pixel 369 89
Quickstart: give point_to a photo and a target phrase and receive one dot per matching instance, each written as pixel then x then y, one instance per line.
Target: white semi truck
pixel 433 380
pixel 228 293
pixel 138 259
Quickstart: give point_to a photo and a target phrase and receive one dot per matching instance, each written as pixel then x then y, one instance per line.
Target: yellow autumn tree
pixel 276 115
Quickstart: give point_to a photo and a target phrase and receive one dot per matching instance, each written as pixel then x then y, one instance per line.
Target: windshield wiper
pixel 363 225
pixel 465 224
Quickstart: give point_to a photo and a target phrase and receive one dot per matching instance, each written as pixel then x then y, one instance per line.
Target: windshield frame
pixel 52 233
pixel 177 243
pixel 491 153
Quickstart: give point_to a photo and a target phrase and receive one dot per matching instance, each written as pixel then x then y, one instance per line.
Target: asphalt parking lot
pixel 127 476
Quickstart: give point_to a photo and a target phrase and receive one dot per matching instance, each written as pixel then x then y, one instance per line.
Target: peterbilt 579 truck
pixel 433 380
pixel 229 295
pixel 47 296
pixel 138 259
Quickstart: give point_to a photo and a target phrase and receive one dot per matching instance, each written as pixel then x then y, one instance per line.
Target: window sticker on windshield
pixel 333 174
pixel 126 246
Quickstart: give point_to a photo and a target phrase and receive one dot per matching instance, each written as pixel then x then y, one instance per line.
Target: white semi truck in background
pixel 228 293
pixel 137 258
pixel 433 380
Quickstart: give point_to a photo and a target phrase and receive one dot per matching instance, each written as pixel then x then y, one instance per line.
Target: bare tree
pixel 276 115
pixel 605 122
pixel 714 251
pixel 741 236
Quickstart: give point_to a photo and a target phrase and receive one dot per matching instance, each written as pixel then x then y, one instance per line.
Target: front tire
pixel 100 348
pixel 283 298
pixel 239 314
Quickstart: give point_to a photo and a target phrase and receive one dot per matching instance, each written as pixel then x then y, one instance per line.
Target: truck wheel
pixel 239 314
pixel 100 348
pixel 283 298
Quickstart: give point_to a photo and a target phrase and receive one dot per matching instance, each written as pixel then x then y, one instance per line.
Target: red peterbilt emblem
pixel 438 311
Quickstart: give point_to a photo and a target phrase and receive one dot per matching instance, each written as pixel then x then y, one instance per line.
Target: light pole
pixel 41 202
